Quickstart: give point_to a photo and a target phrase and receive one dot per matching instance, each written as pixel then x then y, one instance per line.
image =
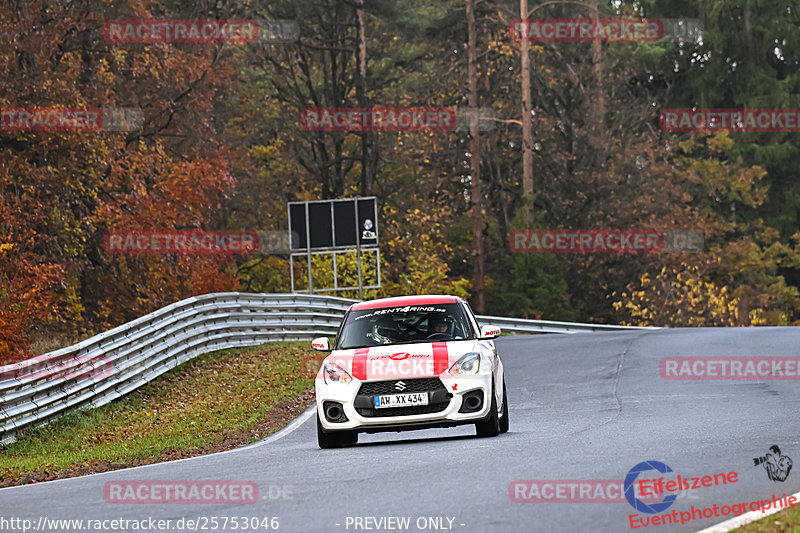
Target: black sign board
pixel 342 223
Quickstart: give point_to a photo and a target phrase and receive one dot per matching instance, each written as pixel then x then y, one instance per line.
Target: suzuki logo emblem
pixel 400 385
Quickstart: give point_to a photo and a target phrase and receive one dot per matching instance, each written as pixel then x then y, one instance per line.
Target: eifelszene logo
pixel 636 503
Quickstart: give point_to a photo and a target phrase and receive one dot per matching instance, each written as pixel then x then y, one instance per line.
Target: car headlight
pixel 467 364
pixel 333 373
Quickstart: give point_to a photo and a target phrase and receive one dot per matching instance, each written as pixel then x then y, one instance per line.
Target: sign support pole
pixel 291 269
pixel 308 248
pixel 358 255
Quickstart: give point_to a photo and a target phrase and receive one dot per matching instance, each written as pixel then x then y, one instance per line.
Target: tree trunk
pixel 597 105
pixel 369 152
pixel 527 123
pixel 475 161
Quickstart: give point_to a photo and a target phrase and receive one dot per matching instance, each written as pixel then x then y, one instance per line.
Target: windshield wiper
pixel 451 339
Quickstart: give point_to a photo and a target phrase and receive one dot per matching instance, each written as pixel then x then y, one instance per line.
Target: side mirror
pixel 489 332
pixel 320 344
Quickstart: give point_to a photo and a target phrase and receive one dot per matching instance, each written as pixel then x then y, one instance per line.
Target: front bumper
pixel 445 399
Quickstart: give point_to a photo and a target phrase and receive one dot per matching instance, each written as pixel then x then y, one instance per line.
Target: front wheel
pixel 491 426
pixel 334 439
pixel 504 415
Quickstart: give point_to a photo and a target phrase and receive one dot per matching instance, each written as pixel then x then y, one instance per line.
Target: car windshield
pixel 403 325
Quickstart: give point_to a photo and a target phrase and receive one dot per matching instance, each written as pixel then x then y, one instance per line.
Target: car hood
pixel 399 361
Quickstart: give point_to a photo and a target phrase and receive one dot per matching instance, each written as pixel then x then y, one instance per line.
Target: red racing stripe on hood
pixel 440 360
pixel 360 363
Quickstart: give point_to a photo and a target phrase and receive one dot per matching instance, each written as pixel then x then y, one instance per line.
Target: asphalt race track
pixel 583 406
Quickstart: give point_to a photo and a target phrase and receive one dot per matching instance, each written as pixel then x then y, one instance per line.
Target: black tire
pixel 491 426
pixel 334 439
pixel 504 414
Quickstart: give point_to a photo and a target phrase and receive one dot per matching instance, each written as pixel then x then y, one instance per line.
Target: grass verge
pixel 217 401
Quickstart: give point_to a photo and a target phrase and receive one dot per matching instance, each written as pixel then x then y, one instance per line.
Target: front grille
pixel 412 385
pixel 403 411
pixel 437 395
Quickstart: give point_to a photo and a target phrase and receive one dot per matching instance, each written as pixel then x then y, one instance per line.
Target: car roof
pixel 400 301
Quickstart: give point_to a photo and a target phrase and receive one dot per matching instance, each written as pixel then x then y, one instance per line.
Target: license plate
pixel 401 400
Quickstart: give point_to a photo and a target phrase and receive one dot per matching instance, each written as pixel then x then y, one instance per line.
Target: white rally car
pixel 406 363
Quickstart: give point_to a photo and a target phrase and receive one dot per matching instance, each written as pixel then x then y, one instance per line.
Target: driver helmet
pixel 384 323
pixel 440 324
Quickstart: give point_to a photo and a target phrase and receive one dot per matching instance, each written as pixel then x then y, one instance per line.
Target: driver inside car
pixel 438 325
pixel 384 330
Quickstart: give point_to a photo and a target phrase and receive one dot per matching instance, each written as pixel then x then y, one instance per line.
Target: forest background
pixel 221 147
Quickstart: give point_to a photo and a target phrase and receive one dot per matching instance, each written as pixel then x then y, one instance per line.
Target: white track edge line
pixel 746 518
pixel 286 430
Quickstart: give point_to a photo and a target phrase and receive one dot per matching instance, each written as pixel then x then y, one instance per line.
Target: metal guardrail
pixel 521 325
pixel 112 364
